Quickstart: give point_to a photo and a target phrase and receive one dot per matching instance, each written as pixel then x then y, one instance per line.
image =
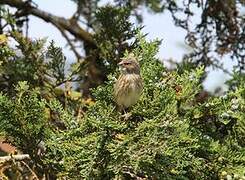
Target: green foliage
pixel 57 64
pixel 41 68
pixel 22 118
pixel 168 136
pixel 114 31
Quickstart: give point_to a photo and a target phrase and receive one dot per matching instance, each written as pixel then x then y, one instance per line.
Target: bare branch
pixel 14 157
pixel 73 48
pixel 32 172
pixel 59 22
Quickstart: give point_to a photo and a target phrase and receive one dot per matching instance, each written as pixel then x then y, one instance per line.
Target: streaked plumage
pixel 129 86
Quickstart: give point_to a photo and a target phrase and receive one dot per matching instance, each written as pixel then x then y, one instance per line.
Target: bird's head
pixel 129 66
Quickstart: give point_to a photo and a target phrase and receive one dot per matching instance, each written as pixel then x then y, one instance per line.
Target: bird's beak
pixel 120 64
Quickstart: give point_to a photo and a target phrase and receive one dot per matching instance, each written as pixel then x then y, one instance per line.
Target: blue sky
pixel 157 26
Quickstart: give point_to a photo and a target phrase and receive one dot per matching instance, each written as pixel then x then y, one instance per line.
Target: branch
pixel 73 48
pixel 32 172
pixel 59 22
pixel 221 68
pixel 14 157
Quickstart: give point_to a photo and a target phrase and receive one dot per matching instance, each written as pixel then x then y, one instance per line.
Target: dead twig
pixel 20 157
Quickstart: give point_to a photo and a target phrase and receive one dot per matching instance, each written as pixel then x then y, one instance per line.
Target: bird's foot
pixel 127 115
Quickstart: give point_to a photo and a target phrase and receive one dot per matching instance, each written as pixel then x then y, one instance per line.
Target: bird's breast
pixel 128 89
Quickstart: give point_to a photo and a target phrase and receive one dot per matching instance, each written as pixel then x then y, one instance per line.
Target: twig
pixel 221 68
pixel 28 167
pixel 21 157
pixel 69 42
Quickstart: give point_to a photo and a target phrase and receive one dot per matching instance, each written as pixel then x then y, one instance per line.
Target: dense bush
pixel 168 136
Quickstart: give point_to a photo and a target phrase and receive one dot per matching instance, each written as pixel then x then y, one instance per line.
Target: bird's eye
pixel 126 63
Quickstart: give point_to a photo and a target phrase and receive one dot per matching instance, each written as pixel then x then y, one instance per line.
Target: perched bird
pixel 129 85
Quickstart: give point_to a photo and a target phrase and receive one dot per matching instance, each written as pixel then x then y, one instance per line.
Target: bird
pixel 129 86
